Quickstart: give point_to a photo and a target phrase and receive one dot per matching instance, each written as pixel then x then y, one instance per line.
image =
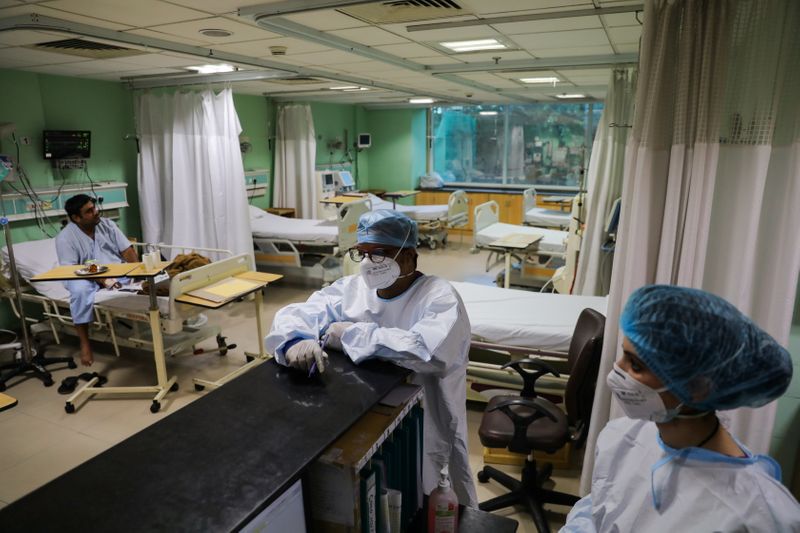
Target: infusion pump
pixel 331 183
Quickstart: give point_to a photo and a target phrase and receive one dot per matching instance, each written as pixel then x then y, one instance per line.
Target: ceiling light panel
pixel 211 68
pixel 570 96
pixel 474 45
pixel 420 100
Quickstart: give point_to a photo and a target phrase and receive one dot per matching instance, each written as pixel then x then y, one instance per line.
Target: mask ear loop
pixel 401 249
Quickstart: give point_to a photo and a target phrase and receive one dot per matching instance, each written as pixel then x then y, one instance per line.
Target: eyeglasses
pixel 376 256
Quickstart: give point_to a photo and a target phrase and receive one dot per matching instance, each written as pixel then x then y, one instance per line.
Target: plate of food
pixel 91 270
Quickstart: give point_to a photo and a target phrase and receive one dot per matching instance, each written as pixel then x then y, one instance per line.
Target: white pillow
pixel 256 212
pixel 36 257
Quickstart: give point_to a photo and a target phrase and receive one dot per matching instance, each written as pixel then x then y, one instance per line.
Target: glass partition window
pixel 533 144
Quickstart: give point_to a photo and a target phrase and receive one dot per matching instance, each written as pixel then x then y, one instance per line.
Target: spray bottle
pixel 443 507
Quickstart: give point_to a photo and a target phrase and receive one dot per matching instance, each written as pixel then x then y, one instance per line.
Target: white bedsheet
pixel 553 240
pixel 420 213
pixel 539 216
pixel 37 257
pixel 523 318
pixel 268 226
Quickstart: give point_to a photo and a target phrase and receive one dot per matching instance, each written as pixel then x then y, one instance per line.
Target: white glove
pixel 303 354
pixel 333 337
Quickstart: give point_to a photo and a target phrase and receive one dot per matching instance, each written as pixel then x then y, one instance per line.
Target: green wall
pixel 257 117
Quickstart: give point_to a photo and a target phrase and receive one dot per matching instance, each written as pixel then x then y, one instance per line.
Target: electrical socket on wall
pixel 25 140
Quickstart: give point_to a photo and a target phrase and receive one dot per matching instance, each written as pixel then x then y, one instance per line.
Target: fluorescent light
pixel 488 113
pixel 474 45
pixel 343 87
pixel 355 89
pixel 545 79
pixel 212 69
pixel 420 100
pixel 566 96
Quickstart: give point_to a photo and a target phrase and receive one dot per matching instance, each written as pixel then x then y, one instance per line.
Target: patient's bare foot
pixel 87 357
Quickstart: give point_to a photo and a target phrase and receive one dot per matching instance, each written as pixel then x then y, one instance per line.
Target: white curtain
pixel 295 157
pixel 604 182
pixel 712 174
pixel 191 179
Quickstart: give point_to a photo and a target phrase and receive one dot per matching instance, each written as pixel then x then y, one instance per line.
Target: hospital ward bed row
pixel 124 319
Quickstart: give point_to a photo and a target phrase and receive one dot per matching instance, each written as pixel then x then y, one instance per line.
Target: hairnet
pixel 704 350
pixel 388 227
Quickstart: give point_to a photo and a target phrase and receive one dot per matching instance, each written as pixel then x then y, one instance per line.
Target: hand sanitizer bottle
pixel 443 507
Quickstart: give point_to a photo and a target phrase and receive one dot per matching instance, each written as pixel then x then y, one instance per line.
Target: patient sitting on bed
pixel 89 237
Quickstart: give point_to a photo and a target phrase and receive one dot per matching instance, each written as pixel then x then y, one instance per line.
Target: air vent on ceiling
pixel 84 48
pixel 296 81
pixel 397 11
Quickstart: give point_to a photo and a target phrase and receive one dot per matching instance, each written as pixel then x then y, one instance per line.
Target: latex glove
pixel 304 353
pixel 333 336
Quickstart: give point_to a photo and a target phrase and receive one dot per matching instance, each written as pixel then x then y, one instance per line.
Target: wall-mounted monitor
pixel 62 144
pixel 364 140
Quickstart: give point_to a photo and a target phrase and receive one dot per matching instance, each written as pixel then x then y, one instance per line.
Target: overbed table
pixel 517 242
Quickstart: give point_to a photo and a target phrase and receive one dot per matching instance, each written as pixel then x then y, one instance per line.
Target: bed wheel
pixel 222 345
pixel 69 407
pixel 48 382
pixel 72 364
pixel 432 244
pixel 174 387
pixel 198 387
pixel 155 406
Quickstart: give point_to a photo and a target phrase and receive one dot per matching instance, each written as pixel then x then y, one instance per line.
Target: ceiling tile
pixel 628 48
pixel 544 26
pixel 625 34
pixel 160 60
pixel 489 79
pixel 506 7
pixel 216 7
pixel 622 19
pixel 561 39
pixel 328 58
pixel 191 30
pixel 571 52
pixel 440 59
pixel 9 3
pixel 410 50
pixel 40 9
pixel 326 20
pixel 166 37
pixel 511 55
pixel 517 74
pixel 369 35
pixel 585 72
pixel 26 37
pixel 140 13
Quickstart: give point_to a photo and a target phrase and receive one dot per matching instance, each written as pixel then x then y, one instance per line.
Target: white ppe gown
pixel 640 484
pixel 426 330
pixel 74 247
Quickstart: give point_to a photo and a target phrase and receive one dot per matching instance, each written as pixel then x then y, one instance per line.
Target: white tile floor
pixel 40 441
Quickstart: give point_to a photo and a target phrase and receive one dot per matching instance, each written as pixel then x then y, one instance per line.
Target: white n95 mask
pixel 637 399
pixel 380 275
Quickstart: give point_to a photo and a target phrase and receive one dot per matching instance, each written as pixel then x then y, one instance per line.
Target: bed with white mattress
pixel 540 216
pixel 511 324
pixel 302 247
pixel 433 220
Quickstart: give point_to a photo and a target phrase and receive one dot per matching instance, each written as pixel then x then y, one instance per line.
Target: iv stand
pixel 30 361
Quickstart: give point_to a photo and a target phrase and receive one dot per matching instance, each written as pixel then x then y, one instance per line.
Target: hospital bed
pixel 512 323
pixel 534 265
pixel 540 216
pixel 433 221
pixel 306 248
pixel 122 318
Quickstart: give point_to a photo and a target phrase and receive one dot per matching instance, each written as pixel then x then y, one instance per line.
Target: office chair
pixel 528 422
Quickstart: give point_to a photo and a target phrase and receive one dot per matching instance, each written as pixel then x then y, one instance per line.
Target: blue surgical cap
pixel 704 350
pixel 387 227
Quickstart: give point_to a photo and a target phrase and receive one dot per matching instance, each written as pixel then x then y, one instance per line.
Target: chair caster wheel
pixel 483 477
pixel 48 382
pixel 199 388
pixel 174 387
pixel 72 364
pixel 155 407
pixel 69 407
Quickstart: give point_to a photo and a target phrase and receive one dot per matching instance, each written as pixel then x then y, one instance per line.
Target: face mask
pixel 383 275
pixel 637 399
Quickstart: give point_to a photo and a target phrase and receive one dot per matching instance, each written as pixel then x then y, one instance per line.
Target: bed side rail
pixel 528 201
pixel 347 222
pixel 486 214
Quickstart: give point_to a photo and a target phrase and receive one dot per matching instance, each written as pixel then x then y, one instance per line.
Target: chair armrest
pixel 519 442
pixel 530 377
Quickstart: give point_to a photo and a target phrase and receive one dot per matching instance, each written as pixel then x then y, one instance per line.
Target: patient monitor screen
pixel 347 178
pixel 327 179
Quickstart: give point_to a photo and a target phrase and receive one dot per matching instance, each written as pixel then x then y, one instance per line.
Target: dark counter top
pixel 214 464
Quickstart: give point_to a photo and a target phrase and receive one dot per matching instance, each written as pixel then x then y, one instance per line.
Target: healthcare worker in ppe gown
pixel 393 312
pixel 670 465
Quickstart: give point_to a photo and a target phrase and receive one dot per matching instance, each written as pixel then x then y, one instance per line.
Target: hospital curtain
pixel 604 182
pixel 712 174
pixel 295 161
pixel 191 179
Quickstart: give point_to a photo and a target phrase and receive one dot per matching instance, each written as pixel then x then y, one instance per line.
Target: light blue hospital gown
pixel 74 247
